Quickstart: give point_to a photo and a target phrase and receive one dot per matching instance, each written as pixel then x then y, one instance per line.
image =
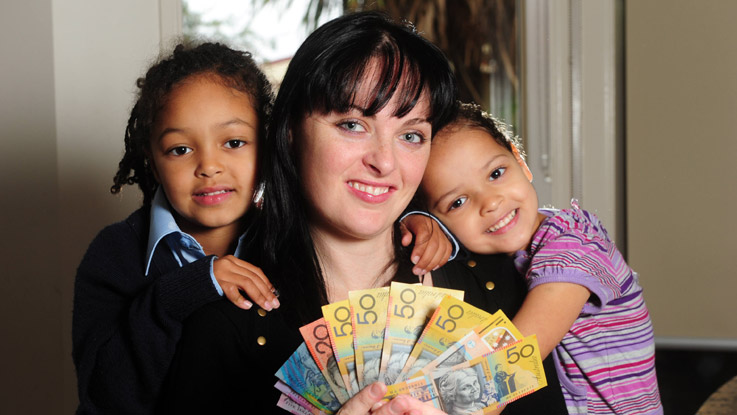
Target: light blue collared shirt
pixel 183 246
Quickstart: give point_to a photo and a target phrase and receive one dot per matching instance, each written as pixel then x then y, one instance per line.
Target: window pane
pixel 478 36
pixel 271 30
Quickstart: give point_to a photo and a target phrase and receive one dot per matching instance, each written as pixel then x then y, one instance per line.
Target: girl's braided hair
pixel 235 69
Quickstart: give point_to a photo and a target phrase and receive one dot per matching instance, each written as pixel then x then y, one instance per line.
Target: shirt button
pixel 471 263
pixel 261 312
pixel 490 285
pixel 261 340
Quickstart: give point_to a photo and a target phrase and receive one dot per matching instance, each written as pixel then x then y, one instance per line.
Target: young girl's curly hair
pixel 233 68
pixel 471 115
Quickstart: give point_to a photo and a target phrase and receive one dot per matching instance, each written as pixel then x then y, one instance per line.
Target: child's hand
pixel 234 275
pixel 432 248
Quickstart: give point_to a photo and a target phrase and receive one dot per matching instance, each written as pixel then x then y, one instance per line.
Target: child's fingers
pixel 440 258
pixel 427 244
pixel 423 244
pixel 254 290
pixel 259 293
pixel 406 235
pixel 436 254
pixel 233 294
pixel 260 290
pixel 445 257
pixel 247 278
pixel 418 253
pixel 256 271
pixel 425 254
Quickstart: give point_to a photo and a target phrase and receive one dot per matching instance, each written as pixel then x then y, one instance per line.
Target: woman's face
pixel 468 390
pixel 360 172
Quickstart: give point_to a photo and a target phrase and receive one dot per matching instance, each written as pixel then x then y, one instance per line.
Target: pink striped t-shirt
pixel 606 361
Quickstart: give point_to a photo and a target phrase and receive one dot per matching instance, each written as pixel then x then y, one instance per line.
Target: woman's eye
pixel 497 173
pixel 458 203
pixel 179 151
pixel 352 126
pixel 235 143
pixel 414 138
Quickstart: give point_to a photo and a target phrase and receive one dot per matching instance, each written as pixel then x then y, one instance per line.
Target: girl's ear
pixel 522 163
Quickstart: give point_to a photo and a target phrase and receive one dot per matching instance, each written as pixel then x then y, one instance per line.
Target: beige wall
pixel 681 109
pixel 67 79
pixel 30 304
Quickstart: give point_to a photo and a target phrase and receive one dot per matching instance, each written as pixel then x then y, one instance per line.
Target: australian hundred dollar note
pixel 368 310
pixel 410 307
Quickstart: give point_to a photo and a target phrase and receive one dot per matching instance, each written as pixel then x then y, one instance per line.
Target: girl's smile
pixel 505 223
pixel 213 195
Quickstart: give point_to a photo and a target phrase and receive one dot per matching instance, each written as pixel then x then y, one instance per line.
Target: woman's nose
pixel 381 158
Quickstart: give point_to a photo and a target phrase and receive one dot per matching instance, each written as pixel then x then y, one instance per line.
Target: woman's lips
pixel 371 193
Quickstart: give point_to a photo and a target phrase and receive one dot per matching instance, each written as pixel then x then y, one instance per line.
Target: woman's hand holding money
pixel 369 400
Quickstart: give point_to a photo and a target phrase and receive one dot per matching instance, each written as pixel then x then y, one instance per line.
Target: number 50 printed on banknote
pixel 482 384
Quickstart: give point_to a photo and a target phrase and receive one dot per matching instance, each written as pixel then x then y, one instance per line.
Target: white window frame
pixel 170 19
pixel 572 105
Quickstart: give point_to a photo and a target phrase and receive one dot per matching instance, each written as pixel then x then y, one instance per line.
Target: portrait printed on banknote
pixel 464 391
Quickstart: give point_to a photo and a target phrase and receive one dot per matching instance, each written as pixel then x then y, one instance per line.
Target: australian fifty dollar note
pixel 368 311
pixel 482 384
pixel 410 307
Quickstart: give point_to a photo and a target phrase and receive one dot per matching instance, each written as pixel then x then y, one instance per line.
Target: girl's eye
pixel 235 143
pixel 458 202
pixel 414 138
pixel 497 173
pixel 353 126
pixel 180 151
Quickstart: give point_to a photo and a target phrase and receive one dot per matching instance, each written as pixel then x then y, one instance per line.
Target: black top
pixel 126 324
pixel 220 366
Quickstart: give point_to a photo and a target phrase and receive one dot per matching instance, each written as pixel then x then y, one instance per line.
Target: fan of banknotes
pixel 419 340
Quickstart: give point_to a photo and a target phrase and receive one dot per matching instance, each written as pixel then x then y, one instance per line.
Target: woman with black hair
pixel 347 146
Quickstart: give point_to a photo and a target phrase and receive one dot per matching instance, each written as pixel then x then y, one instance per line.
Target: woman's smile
pixel 372 193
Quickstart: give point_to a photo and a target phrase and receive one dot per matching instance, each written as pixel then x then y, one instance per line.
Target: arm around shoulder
pixel 549 311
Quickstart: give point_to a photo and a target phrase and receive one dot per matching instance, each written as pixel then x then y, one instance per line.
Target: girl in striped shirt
pixel 584 303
